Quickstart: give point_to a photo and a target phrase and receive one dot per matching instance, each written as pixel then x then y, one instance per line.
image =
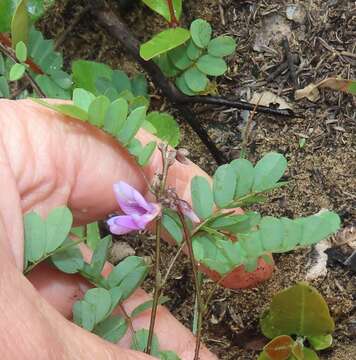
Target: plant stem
pixel 197 282
pixel 174 21
pixel 176 256
pixel 158 280
pixel 9 53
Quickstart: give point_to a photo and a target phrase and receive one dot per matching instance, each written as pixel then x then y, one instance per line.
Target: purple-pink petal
pixel 130 200
pixel 123 224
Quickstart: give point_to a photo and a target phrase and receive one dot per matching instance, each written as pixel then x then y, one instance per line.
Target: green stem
pixel 158 279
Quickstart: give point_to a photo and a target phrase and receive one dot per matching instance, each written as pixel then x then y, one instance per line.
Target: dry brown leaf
pixel 267 97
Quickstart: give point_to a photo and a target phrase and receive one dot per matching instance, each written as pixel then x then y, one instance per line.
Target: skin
pixel 48 160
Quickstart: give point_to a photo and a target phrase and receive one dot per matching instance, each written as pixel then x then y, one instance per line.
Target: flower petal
pixel 143 220
pixel 130 200
pixel 122 224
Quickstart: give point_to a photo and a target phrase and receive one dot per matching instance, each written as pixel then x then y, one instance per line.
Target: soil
pixel 321 172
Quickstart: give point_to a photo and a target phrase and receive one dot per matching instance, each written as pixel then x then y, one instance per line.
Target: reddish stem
pixel 5 40
pixel 174 21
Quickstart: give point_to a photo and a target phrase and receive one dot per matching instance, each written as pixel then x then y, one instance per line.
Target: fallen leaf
pixel 267 98
pixel 311 91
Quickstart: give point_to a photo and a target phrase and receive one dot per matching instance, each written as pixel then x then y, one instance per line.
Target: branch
pixel 119 30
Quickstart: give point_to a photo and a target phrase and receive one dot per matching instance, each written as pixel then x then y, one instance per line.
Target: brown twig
pixel 116 28
pixel 10 53
pixel 174 21
pixel 291 66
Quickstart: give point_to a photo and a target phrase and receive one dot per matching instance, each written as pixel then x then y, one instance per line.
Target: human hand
pixel 48 160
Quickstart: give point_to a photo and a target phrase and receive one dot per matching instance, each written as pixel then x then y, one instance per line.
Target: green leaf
pixel 4 87
pixel 58 225
pixel 168 355
pixel 183 87
pixel 172 224
pixel 244 176
pixel 299 310
pixel 193 51
pixel 84 315
pixel 139 342
pixel 128 275
pixel 2 64
pixel 211 65
pixel 351 88
pixel 99 256
pixel 162 8
pixel 202 197
pixel 179 58
pixel 37 8
pixel 83 98
pixel 62 79
pixel 116 297
pixel 7 9
pixel 45 236
pixel 85 74
pixel 50 88
pixel 268 171
pixel 147 305
pixel 21 51
pixel 201 32
pixel 145 154
pixel 310 354
pixel 101 300
pixel 167 129
pixel 115 116
pixel 132 125
pixel 69 261
pixel 222 46
pixel 93 235
pixel 20 24
pixel 236 224
pixel 196 80
pixel 165 64
pixel 121 81
pixel 97 110
pixel 163 42
pixel 35 237
pixel 16 72
pixel 139 85
pixel 224 182
pixel 320 342
pixel 112 329
pixel 66 109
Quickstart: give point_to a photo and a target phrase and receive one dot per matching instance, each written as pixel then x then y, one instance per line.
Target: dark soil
pixel 321 173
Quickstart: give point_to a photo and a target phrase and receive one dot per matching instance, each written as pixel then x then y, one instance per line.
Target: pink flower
pixel 139 212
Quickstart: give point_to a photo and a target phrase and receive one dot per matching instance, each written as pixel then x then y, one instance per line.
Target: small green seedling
pixel 298 322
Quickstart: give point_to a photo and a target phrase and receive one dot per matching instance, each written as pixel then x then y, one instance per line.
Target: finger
pixel 62 160
pixel 62 290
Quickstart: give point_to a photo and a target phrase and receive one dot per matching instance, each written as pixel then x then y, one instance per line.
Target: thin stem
pixel 197 283
pixel 158 280
pixel 173 261
pixel 9 53
pixel 174 20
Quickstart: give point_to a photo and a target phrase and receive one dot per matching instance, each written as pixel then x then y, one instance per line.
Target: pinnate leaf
pixel 20 24
pixel 69 260
pixel 97 110
pixel 139 342
pixel 16 72
pixel 196 80
pixel 224 182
